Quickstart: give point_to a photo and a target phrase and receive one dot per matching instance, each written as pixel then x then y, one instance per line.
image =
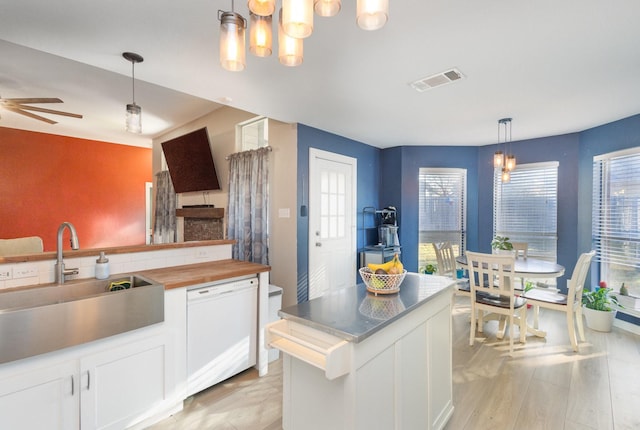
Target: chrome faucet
pixel 61 272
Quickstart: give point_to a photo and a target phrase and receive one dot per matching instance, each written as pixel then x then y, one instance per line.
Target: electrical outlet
pixel 5 274
pixel 25 272
pixel 203 253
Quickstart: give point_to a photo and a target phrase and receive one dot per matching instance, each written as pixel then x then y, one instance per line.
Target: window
pixel 442 206
pixel 616 218
pixel 252 134
pixel 526 208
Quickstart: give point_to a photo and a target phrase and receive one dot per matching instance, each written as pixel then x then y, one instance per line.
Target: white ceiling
pixel 554 66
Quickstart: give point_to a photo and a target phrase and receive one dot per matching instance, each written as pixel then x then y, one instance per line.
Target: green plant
pixel 599 299
pixel 429 268
pixel 501 242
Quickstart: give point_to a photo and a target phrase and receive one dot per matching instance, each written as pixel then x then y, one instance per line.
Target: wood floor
pixel 545 385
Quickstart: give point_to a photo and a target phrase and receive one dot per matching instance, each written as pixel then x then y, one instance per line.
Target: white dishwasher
pixel 222 325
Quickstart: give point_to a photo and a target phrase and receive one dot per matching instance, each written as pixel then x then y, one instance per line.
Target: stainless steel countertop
pixel 354 313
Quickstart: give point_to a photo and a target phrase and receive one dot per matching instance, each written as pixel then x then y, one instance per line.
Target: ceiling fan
pixel 20 105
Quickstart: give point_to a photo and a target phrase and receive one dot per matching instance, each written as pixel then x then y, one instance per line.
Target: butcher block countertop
pixel 192 274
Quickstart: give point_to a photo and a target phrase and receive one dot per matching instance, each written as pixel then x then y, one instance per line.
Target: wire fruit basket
pixel 381 283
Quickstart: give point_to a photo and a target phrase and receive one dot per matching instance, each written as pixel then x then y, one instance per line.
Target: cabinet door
pixel 41 399
pixel 121 386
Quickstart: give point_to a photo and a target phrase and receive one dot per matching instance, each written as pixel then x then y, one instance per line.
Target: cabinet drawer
pixel 317 348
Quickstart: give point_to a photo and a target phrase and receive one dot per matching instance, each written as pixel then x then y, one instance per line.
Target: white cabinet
pixel 121 386
pixel 398 378
pixel 41 399
pixel 111 389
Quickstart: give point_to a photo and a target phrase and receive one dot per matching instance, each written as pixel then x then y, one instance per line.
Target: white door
pixel 332 221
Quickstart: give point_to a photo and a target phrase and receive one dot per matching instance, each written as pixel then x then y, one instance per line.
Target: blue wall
pixel 368 187
pixel 565 150
pixel 399 187
pixel 607 138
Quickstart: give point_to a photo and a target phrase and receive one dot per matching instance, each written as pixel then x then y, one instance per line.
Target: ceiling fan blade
pixel 44 110
pixel 29 114
pixel 35 100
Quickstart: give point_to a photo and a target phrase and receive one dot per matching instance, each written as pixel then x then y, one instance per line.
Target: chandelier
pixel 504 160
pixel 295 23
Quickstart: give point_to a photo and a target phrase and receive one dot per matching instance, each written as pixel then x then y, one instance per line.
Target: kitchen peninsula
pixel 127 380
pixel 355 360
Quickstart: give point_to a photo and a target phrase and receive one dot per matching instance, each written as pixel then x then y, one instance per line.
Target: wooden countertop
pixel 192 274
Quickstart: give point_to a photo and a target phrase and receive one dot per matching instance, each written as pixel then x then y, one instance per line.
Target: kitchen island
pixel 355 360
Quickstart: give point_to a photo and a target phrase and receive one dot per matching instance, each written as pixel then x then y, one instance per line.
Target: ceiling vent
pixel 437 80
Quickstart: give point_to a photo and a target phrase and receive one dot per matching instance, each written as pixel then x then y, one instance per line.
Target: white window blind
pixel 616 217
pixel 526 208
pixel 442 206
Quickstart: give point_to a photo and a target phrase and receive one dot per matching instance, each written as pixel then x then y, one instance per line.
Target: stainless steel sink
pixel 47 318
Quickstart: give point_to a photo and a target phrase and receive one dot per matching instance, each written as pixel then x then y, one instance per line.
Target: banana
pixel 385 266
pixel 397 266
pixel 392 266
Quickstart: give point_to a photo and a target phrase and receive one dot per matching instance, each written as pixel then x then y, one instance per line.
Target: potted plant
pixel 429 269
pixel 597 308
pixel 501 244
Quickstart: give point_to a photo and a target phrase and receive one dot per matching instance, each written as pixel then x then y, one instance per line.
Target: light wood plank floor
pixel 544 386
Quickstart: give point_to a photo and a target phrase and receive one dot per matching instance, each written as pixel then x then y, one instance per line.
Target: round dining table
pixel 528 267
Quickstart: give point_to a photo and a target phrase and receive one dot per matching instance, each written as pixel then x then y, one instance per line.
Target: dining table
pixel 526 268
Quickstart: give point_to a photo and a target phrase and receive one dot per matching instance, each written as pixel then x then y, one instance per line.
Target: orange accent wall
pixel 99 187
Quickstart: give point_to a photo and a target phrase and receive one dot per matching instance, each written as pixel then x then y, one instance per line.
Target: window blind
pixel 526 208
pixel 616 213
pixel 442 206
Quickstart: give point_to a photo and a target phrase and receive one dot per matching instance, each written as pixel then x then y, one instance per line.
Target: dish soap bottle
pixel 102 266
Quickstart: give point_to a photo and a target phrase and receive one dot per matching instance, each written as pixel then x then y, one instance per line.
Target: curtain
pixel 249 205
pixel 164 228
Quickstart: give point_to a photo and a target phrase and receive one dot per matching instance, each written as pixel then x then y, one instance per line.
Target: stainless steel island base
pixel 371 363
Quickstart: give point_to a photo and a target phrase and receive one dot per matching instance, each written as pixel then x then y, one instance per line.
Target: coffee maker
pixel 388 228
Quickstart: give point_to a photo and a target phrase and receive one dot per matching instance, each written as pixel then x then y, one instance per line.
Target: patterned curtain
pixel 164 228
pixel 249 205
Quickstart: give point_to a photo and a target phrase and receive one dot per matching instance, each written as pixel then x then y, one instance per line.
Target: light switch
pixel 284 213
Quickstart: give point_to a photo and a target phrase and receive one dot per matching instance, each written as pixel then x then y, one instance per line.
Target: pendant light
pixel 327 7
pixel 290 49
pixel 262 7
pixel 260 35
pixel 500 160
pixel 372 14
pixel 133 121
pixel 232 44
pixel 297 18
pixel 506 176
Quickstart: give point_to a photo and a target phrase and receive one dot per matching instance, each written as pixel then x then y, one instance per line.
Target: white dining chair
pixel 447 266
pixel 492 291
pixel 571 303
pixel 521 249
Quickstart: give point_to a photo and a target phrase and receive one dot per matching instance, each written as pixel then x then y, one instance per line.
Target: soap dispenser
pixel 102 266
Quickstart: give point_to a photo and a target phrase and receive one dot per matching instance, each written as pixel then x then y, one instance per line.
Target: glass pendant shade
pixel 498 159
pixel 327 7
pixel 372 14
pixel 262 7
pixel 506 176
pixel 510 162
pixel 290 49
pixel 260 38
pixel 297 18
pixel 232 44
pixel 134 118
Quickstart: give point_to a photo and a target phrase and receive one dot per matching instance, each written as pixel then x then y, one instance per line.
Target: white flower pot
pixel 599 320
pixel 503 252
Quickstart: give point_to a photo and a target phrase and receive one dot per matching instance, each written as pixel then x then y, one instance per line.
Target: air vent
pixel 439 79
